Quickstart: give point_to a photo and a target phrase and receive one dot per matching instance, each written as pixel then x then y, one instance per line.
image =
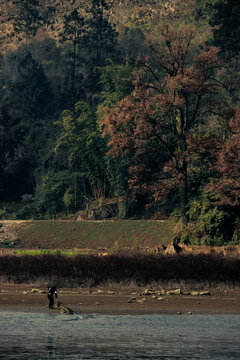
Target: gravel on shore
pixel 122 300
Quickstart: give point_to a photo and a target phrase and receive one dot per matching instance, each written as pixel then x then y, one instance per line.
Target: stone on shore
pixel 141 301
pixel 174 292
pixel 62 309
pixel 161 292
pixel 204 293
pixel 147 292
pixel 34 290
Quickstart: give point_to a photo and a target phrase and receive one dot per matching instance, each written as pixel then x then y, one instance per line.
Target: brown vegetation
pixel 90 270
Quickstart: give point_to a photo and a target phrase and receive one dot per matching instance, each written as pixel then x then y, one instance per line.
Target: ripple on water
pixel 38 336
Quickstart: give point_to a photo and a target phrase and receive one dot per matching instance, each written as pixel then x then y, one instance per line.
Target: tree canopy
pixel 122 109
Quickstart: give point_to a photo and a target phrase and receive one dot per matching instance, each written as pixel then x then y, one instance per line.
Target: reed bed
pixel 141 269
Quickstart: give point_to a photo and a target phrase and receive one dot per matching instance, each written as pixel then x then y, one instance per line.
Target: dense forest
pixel 122 109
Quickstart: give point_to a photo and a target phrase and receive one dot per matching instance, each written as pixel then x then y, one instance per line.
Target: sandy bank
pixel 120 300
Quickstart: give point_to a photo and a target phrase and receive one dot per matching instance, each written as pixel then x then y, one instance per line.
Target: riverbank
pixel 122 300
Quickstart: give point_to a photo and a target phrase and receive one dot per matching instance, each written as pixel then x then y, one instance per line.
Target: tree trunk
pixel 184 218
pixel 184 165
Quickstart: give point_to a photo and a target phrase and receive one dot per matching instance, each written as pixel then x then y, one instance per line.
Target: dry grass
pixel 91 270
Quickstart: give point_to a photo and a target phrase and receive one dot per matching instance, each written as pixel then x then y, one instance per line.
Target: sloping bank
pixel 95 235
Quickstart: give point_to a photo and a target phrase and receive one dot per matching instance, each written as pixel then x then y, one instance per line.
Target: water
pixel 33 336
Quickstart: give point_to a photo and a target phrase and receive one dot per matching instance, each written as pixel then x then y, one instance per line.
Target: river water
pixel 25 335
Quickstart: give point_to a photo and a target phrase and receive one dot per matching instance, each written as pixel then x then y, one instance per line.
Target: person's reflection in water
pixel 50 347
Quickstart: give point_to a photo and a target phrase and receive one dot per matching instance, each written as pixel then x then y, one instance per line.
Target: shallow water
pixel 33 336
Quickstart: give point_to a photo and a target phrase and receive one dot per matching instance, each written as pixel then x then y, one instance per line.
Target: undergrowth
pixel 91 270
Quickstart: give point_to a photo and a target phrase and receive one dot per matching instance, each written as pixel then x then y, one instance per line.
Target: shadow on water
pixel 53 336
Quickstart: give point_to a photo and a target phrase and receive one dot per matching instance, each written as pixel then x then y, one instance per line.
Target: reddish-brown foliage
pixel 153 124
pixel 227 167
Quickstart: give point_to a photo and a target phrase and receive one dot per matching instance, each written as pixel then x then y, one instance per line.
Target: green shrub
pixel 176 215
pixel 215 224
pixel 3 213
pixel 209 225
pixel 236 233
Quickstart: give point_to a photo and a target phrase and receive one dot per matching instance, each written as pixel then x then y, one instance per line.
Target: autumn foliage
pixel 227 185
pixel 174 92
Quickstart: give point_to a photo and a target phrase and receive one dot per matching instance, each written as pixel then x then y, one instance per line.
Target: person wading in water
pixel 52 291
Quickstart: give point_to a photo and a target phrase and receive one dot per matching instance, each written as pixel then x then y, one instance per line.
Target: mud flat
pixel 123 300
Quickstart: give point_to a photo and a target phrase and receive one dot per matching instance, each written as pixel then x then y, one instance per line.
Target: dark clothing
pixel 51 292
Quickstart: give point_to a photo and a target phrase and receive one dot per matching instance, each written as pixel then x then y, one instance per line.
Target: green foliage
pixel 176 214
pixel 224 17
pixel 80 140
pixel 68 199
pixel 2 214
pixel 132 44
pixel 195 207
pixel 73 33
pixel 209 224
pixel 57 54
pixel 49 192
pixel 116 82
pixel 26 86
pixel 78 134
pixel 101 36
pixel 44 252
pixel 236 234
pixel 213 223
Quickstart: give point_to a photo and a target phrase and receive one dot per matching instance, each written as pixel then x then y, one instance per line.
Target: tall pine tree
pixel 26 18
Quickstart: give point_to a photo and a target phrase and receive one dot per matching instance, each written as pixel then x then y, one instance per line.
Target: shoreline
pixel 119 300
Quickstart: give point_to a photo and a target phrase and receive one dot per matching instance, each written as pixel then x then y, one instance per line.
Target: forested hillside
pixel 122 109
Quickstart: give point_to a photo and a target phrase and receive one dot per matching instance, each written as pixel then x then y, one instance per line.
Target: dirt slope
pixel 86 234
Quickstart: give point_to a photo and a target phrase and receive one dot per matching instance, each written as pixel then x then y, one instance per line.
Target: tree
pixel 101 36
pixel 100 40
pixel 73 32
pixel 26 17
pixel 132 44
pixel 49 192
pixel 226 184
pixel 26 86
pixel 24 116
pixel 116 83
pixel 153 124
pixel 80 140
pixel 224 17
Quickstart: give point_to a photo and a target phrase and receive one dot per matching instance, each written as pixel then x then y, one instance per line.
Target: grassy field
pixel 112 235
